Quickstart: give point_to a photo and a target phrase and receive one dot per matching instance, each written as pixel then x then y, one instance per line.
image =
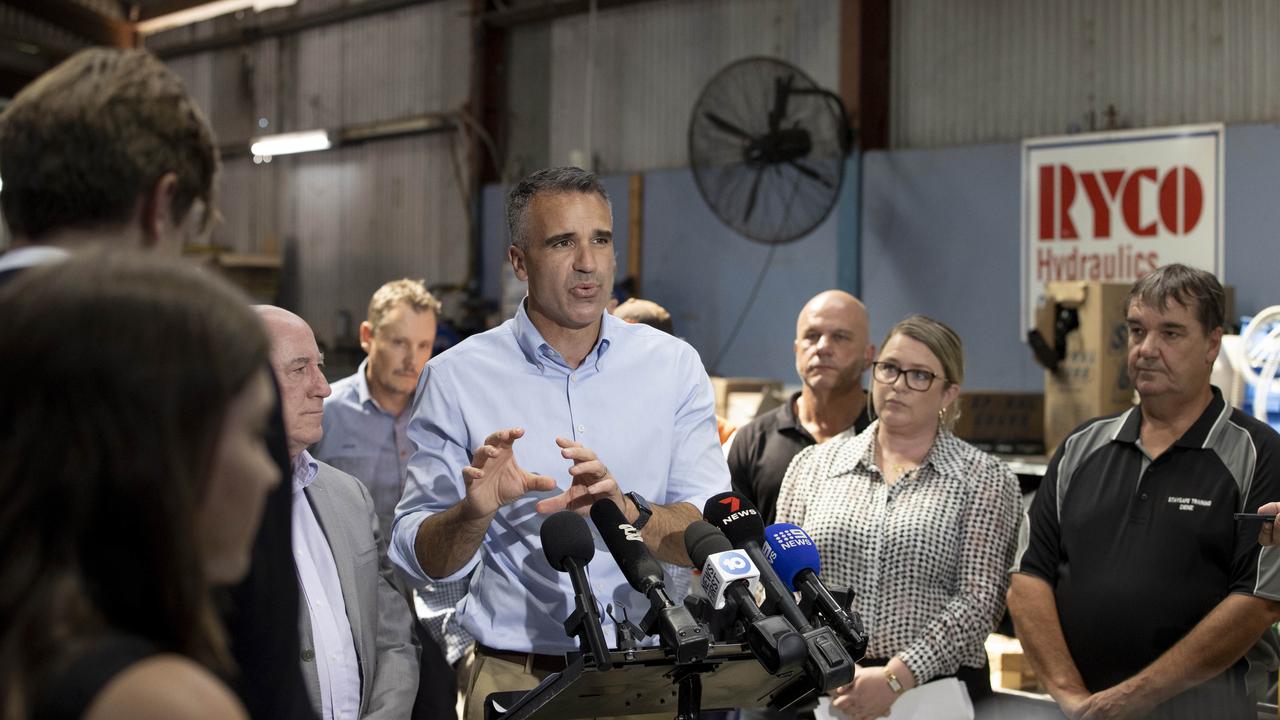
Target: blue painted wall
pixel 940 237
pixel 1251 229
pixel 703 273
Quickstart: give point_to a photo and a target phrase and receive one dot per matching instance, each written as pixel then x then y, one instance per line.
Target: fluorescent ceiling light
pixel 206 11
pixel 289 143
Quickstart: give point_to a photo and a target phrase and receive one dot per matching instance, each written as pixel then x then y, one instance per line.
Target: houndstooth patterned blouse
pixel 927 557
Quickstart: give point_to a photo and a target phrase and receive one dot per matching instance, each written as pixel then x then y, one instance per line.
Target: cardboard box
pixel 1092 378
pixel 738 399
pixel 1003 422
pixel 1009 667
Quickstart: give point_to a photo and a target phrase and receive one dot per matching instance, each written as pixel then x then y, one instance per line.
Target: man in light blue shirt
pixel 558 407
pixel 364 435
pixel 365 417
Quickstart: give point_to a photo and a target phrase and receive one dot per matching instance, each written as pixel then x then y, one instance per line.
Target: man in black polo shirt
pixel 1135 593
pixel 832 349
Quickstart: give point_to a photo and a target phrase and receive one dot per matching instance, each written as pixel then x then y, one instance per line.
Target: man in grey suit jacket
pixel 358 657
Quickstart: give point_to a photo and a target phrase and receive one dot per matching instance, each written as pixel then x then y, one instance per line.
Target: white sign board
pixel 1114 206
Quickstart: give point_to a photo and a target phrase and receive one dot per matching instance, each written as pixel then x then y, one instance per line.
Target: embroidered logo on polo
pixel 1189 504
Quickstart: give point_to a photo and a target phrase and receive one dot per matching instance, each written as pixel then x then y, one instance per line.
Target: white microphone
pixel 723 568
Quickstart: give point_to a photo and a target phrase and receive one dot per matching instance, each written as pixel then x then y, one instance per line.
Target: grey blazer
pixel 381 623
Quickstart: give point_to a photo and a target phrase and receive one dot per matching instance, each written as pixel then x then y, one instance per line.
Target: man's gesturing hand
pixel 494 479
pixel 591 482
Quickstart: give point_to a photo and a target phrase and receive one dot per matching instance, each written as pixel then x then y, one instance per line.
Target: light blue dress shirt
pixel 366 442
pixel 337 665
pixel 641 401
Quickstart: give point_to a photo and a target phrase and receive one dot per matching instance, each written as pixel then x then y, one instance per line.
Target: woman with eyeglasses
pixel 919 523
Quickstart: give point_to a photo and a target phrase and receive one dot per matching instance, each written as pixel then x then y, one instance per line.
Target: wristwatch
pixel 892 679
pixel 644 510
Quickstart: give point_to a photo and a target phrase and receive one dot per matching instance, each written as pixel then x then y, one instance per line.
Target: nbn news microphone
pixel 795 558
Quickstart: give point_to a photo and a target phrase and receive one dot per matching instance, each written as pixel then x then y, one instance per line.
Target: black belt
pixel 533 661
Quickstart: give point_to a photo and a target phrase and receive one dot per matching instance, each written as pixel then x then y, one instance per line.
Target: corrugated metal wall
pixel 650 63
pixel 350 218
pixel 973 71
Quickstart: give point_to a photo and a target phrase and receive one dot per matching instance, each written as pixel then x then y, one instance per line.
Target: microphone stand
pixel 584 622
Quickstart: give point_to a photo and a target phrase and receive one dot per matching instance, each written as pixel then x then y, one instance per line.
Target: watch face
pixel 643 509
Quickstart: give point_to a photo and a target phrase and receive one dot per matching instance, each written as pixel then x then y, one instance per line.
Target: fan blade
pixel 751 199
pixel 811 173
pixel 727 126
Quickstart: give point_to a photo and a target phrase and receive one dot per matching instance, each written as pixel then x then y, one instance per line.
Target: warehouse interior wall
pixel 347 219
pixel 939 235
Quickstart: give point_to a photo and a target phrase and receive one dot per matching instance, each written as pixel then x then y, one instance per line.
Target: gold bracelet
pixel 892 679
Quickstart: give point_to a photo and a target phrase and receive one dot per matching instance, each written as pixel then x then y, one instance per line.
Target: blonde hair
pixel 945 345
pixel 387 297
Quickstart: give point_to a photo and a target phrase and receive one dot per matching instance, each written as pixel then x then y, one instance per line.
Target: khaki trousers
pixel 490 674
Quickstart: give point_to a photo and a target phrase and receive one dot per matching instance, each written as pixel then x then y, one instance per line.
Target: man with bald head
pixel 832 349
pixel 358 657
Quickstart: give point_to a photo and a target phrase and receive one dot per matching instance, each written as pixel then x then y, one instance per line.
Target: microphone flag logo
pixel 734 563
pixel 734 504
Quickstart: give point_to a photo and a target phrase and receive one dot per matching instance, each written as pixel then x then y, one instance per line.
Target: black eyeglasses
pixel 888 373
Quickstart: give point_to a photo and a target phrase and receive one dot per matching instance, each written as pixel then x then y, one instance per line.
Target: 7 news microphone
pixel 674 624
pixel 727 577
pixel 792 554
pixel 829 664
pixel 569 547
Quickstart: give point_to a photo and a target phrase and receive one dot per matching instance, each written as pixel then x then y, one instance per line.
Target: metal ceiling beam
pixel 286 26
pixel 98 29
pixel 549 10
pixel 156 8
pixel 864 69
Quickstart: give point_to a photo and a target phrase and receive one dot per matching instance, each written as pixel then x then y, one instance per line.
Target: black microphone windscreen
pixel 626 545
pixel 736 517
pixel 702 539
pixel 565 536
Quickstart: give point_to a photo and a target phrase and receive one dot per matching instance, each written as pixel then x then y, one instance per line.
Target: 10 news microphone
pixel 741 563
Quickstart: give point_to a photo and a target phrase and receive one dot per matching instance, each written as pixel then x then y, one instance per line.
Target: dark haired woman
pixel 136 398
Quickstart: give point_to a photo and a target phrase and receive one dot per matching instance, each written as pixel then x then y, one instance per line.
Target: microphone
pixel 726 578
pixel 739 520
pixel 567 543
pixel 829 664
pixel 676 628
pixel 792 554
